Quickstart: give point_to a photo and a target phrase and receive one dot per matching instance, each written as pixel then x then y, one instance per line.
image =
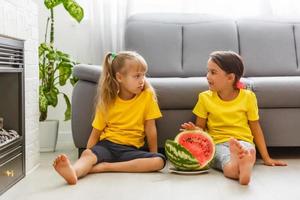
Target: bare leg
pixel 136 165
pixel 231 169
pixel 81 167
pixel 245 166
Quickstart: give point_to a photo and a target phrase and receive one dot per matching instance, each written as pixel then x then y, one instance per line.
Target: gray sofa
pixel 176 48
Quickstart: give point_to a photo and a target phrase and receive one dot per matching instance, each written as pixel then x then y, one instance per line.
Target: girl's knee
pixel 88 153
pixel 159 163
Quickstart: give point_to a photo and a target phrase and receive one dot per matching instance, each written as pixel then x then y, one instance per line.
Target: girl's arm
pixel 94 138
pixel 200 124
pixel 151 134
pixel 261 145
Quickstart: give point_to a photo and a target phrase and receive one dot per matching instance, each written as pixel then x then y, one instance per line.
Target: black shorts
pixel 107 151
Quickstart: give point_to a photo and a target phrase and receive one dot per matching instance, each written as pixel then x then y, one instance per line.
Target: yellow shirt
pixel 124 122
pixel 226 119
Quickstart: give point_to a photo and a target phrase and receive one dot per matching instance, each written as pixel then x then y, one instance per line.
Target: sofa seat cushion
pixel 277 92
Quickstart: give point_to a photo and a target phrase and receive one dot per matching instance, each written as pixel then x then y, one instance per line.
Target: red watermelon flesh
pixel 199 144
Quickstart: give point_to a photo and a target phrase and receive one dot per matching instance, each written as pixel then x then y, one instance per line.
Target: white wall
pixel 72 38
pixel 18 19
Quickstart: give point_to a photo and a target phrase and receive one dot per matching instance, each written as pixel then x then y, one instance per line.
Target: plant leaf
pixel 65 71
pixel 73 80
pixel 43 48
pixel 68 110
pixel 43 103
pixel 52 3
pixel 74 9
pixel 52 56
pixel 41 71
pixel 63 56
pixel 60 53
pixel 51 96
pixel 46 46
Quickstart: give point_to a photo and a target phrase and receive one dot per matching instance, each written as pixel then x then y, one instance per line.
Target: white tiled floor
pixel 267 183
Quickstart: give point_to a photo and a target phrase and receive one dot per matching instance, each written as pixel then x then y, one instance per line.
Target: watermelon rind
pixel 180 157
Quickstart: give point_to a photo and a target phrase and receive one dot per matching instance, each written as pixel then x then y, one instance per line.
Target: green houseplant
pixel 55 67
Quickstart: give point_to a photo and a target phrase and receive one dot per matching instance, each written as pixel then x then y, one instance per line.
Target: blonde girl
pixel 126 109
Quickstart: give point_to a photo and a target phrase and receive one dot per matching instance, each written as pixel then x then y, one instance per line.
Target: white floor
pixel 267 183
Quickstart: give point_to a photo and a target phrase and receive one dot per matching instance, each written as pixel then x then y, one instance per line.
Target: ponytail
pixel 108 86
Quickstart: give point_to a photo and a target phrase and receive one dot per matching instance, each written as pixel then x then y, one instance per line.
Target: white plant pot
pixel 48 130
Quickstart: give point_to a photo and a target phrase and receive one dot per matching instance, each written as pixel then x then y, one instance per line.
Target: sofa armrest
pixel 83 102
pixel 87 72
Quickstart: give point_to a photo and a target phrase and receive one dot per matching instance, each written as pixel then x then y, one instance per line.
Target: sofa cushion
pixel 267 48
pixel 163 53
pixel 200 39
pixel 277 92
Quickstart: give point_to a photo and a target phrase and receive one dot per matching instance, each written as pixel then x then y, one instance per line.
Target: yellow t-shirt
pixel 226 119
pixel 124 122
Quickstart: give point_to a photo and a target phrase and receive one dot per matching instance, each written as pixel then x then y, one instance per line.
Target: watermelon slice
pixel 191 150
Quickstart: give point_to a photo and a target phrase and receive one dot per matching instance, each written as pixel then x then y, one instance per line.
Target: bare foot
pixel 231 169
pixel 63 166
pixel 236 150
pixel 246 163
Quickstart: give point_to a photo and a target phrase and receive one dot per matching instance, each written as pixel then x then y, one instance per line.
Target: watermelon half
pixel 191 150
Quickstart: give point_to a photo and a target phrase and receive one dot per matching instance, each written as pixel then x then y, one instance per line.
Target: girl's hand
pixel 189 126
pixel 272 162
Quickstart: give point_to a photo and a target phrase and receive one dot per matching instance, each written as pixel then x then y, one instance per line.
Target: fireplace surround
pixel 12 129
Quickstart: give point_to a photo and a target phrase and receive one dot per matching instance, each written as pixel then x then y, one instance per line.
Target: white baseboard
pixel 33 169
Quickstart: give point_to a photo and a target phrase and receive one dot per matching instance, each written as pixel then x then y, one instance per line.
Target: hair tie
pixel 240 85
pixel 113 56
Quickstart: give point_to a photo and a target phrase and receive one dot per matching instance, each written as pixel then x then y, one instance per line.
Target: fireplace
pixel 12 128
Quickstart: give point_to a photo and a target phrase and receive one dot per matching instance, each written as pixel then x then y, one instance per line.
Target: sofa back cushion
pixel 202 38
pixel 268 48
pixel 159 44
